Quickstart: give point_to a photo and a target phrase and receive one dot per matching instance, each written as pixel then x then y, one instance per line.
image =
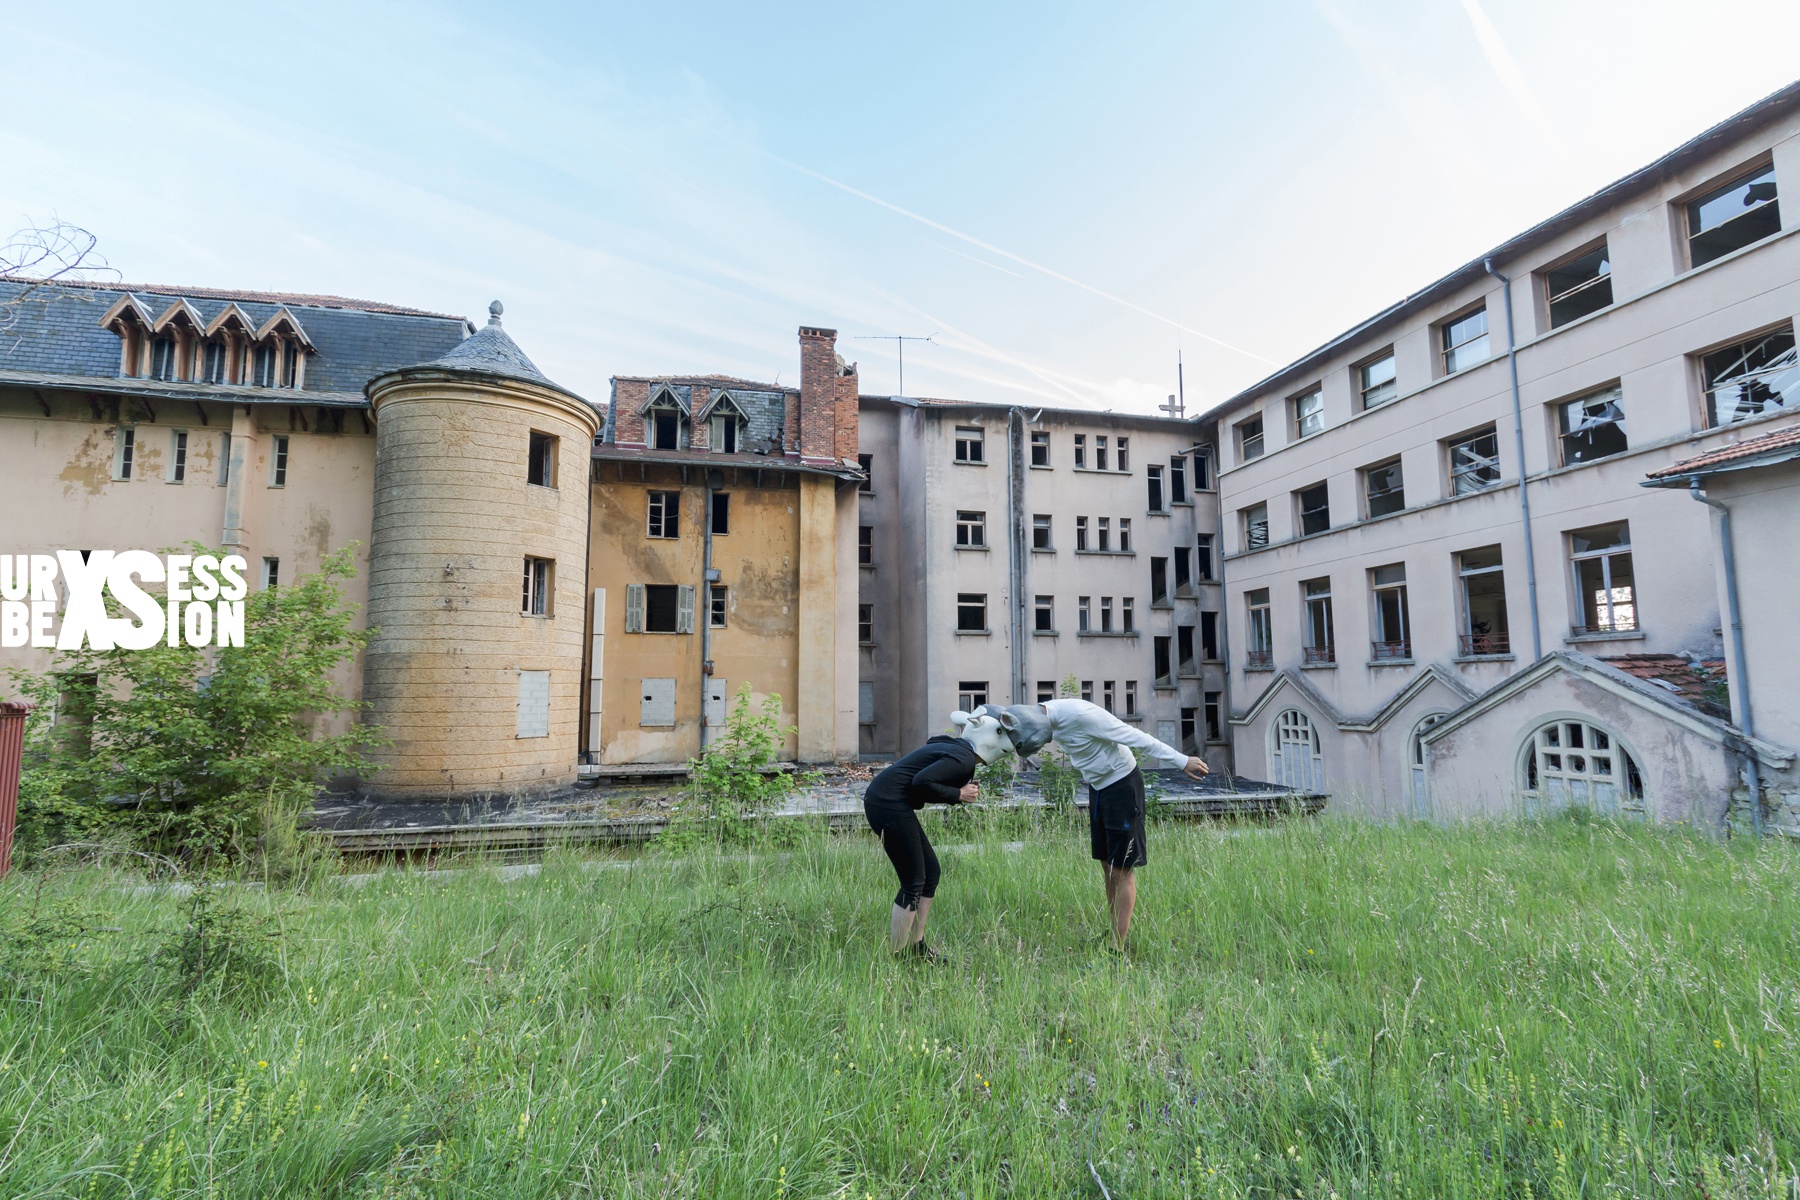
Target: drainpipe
pixel 1015 506
pixel 703 612
pixel 1740 678
pixel 1512 364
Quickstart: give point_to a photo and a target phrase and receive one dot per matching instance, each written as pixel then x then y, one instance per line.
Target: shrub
pixel 737 779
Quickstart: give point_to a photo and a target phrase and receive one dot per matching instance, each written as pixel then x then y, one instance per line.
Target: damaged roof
pixel 1783 443
pixel 1701 682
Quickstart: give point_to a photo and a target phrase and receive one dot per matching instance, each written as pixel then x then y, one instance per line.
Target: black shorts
pixel 915 862
pixel 1116 822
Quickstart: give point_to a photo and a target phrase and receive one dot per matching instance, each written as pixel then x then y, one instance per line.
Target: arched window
pixel 1574 763
pixel 1421 792
pixel 1294 759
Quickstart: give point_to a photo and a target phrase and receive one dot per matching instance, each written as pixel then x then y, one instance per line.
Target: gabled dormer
pixel 726 422
pixel 226 358
pixel 175 339
pixel 667 422
pixel 279 357
pixel 132 322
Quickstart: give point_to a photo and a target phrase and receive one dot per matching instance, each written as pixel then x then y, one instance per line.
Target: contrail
pixel 1024 262
pixel 1501 59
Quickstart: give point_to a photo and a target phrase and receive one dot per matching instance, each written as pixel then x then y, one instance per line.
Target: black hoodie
pixel 933 774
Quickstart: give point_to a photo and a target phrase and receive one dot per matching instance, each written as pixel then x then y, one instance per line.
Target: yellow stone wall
pixel 454 519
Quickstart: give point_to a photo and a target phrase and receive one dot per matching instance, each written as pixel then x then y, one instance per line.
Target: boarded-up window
pixel 716 692
pixel 865 701
pixel 658 703
pixel 534 704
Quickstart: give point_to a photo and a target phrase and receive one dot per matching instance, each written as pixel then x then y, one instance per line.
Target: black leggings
pixel 909 850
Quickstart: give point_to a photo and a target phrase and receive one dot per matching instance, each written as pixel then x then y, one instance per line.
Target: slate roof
pixel 1693 681
pixel 1725 457
pixel 728 382
pixel 54 331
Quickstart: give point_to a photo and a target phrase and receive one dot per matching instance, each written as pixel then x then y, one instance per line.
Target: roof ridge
pixel 242 295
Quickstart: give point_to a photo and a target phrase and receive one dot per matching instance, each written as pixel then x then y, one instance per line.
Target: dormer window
pixel 262 373
pixel 162 358
pixel 213 365
pixel 663 420
pixel 726 426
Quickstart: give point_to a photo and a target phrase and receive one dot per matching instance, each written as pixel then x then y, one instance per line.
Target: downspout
pixel 1740 678
pixel 703 611
pixel 1512 365
pixel 1225 706
pixel 1015 506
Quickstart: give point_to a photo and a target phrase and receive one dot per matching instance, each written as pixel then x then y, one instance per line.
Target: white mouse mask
pixel 982 732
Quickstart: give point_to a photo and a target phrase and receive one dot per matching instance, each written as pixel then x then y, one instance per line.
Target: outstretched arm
pixel 1103 724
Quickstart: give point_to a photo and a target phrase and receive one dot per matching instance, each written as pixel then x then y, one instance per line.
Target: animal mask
pixel 983 732
pixel 1025 726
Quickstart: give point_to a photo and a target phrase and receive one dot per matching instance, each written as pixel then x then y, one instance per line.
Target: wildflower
pixel 262 1064
pixel 1717 1044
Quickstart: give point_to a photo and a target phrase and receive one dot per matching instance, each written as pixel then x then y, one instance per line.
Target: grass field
pixel 1316 1009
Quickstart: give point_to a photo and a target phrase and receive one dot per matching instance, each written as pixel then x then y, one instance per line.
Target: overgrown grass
pixel 1571 1009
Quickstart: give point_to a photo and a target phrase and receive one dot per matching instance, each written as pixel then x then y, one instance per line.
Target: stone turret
pixel 477 573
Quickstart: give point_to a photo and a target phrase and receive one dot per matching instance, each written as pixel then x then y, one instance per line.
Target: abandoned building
pixel 1502 546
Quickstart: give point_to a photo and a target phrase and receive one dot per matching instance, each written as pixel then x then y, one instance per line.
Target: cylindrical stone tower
pixel 477 573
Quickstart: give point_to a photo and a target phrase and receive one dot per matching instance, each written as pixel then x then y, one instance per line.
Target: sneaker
pixel 927 953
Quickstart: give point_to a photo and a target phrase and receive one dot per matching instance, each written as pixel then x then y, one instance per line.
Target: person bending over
pixel 942 771
pixel 1099 746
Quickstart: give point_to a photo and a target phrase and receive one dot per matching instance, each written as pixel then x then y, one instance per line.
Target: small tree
pixel 200 752
pixel 1057 780
pixel 737 777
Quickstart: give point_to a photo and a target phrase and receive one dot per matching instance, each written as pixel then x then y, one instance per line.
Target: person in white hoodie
pixel 1100 746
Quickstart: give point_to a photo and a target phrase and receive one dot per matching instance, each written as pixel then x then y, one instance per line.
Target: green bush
pixel 199 754
pixel 738 780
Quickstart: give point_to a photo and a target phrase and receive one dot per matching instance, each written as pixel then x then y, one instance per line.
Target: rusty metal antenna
pixel 899 340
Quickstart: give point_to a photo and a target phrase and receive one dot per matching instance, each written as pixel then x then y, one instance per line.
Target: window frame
pixel 1787 399
pixel 540 459
pixel 1450 354
pixel 1632 624
pixel 1383 648
pixel 661 522
pixel 1259 631
pixel 718 605
pixel 1249 524
pixel 1302 413
pixel 1491 643
pixel 1319 641
pixel 971 694
pixel 1717 191
pixel 971 602
pixel 1613 394
pixel 1592 283
pixel 1157 497
pixel 1304 517
pixel 865 624
pixel 1370 495
pixel 865 545
pixel 971 445
pixel 1246 438
pixel 720 507
pixel 124 453
pixel 1042 530
pixel 537 592
pixel 178 455
pixel 1364 389
pixel 1043 613
pixel 971 529
pixel 1461 474
pixel 1040 441
pixel 279 451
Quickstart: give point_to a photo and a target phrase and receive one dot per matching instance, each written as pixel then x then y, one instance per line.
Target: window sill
pixel 969 462
pixel 1111 553
pixel 1392 662
pixel 974 633
pixel 1095 633
pixel 1163 685
pixel 1259 668
pixel 865 566
pixel 1043 549
pixel 1156 512
pixel 1181 504
pixel 972 549
pixel 537 617
pixel 1045 633
pixel 863 645
pixel 1133 718
pixel 1100 471
pixel 1634 635
pixel 1482 658
pixel 1324 666
pixel 1042 467
pixel 1163 605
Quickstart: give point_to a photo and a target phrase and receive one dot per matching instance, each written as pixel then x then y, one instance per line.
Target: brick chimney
pixel 819 394
pixel 849 387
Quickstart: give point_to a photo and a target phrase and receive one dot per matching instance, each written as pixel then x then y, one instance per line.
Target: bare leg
pixel 918 926
pixel 1121 898
pixel 900 928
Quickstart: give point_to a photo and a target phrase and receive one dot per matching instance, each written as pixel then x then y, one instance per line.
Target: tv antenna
pixel 899 340
pixel 1177 405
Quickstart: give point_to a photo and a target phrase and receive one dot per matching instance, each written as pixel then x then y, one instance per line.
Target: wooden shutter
pixel 634 608
pixel 684 613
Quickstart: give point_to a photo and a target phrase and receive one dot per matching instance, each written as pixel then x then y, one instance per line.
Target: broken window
pixel 534 600
pixel 1259 632
pixel 271 572
pixel 971 530
pixel 719 603
pixel 1184 571
pixel 1080 451
pixel 1087 690
pixel 540 460
pixel 1159 582
pixel 1321 644
pixel 1044 615
pixel 664 515
pixel 865 624
pixel 1215 725
pixel 971 694
pixel 1309 413
pixel 1046 690
pixel 1484 603
pixel 1732 217
pixel 971 612
pixel 1315 508
pixel 659 608
pixel 1573 763
pixel 1184 649
pixel 865 545
pixel 726 432
pixel 1375 381
pixel 1203 470
pixel 1154 478
pixel 1127 617
pixel 1189 728
pixel 1250 438
pixel 1474 462
pixel 1256 526
pixel 1209 636
pixel 1159 652
pixel 1178 491
pixel 721 513
pixel 1465 341
pixel 1393 621
pixel 1384 489
pixel 867 463
pixel 665 424
pixel 1107 694
pixel 1203 556
pixel 1040 447
pixel 1579 286
pixel 1751 378
pixel 970 447
pixel 1605 588
pixel 1040 531
pixel 1592 427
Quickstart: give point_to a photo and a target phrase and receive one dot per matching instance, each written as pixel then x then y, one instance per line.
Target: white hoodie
pixel 1099 745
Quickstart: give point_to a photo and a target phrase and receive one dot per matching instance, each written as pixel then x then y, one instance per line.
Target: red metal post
pixel 12 751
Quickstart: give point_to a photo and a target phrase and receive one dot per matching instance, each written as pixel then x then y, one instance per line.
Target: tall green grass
pixel 1317 1008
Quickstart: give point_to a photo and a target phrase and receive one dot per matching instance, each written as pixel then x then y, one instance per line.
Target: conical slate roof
pixel 491 352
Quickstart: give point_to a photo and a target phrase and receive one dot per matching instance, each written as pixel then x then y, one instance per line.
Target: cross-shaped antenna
pixel 1174 407
pixel 899 340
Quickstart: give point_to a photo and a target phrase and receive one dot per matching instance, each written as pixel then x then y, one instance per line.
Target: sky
pixel 1065 198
